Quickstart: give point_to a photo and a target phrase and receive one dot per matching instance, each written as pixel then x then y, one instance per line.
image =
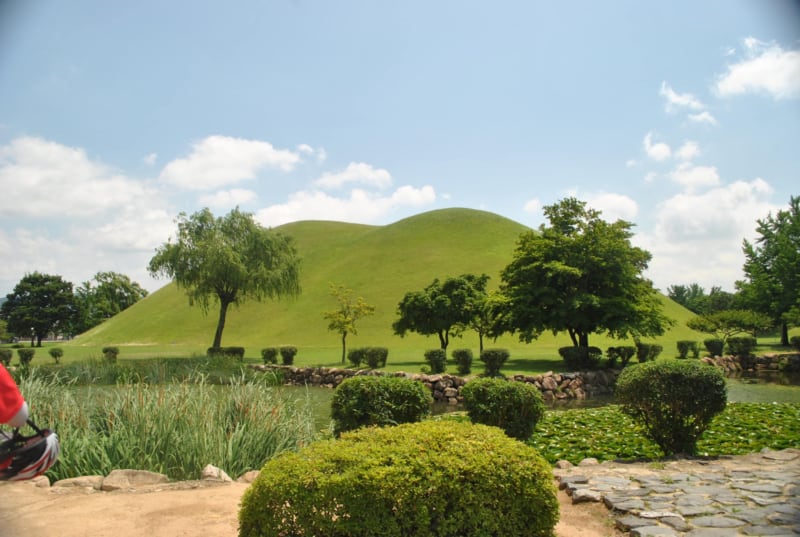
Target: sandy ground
pixel 189 509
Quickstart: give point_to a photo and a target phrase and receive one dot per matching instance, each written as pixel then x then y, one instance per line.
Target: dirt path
pixel 190 509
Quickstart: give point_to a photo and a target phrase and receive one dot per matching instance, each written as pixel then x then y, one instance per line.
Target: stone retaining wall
pixel 447 388
pixel 789 362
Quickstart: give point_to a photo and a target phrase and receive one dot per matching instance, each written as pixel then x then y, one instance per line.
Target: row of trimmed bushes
pixel 56 353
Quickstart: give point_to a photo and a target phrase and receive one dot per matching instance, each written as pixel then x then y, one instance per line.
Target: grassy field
pixel 381 264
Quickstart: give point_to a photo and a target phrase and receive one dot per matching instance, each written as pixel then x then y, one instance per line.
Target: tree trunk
pixel 480 342
pixel 443 339
pixel 584 339
pixel 784 334
pixel 574 339
pixel 223 312
pixel 344 347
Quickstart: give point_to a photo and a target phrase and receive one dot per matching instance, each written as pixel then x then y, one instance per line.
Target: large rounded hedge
pixel 674 400
pixel 378 400
pixel 515 407
pixel 428 479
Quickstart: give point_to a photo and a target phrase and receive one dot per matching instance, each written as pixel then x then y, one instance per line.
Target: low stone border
pixel 789 362
pixel 447 388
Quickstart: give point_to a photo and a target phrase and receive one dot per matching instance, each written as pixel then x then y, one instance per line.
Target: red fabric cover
pixel 10 398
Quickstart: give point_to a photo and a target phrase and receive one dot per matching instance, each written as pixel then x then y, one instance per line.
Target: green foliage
pixel 695 299
pixel 56 353
pixel 608 434
pixel 174 429
pixel 25 356
pixel 463 359
pixel 236 353
pixel 228 260
pixel 288 353
pixel 5 356
pixel 356 356
pixel 442 308
pixel 772 282
pixel 515 407
pixel 376 357
pixel 493 360
pixel 110 353
pixel 795 341
pixel 647 352
pixel 437 360
pixel 363 401
pixel 684 346
pixel 108 294
pixel 673 400
pixel 39 304
pixel 725 324
pixel 581 275
pixel 269 355
pixel 741 346
pixel 714 346
pixel 343 319
pixel 623 353
pixel 430 479
pixel 580 358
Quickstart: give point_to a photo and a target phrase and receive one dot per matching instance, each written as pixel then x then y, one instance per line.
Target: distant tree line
pixel 41 304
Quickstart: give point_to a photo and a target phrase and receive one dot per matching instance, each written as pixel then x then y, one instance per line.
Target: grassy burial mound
pixel 379 263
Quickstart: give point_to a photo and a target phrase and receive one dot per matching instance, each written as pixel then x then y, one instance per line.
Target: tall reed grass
pixel 175 429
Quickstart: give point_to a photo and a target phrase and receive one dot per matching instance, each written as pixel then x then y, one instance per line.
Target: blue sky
pixel 682 117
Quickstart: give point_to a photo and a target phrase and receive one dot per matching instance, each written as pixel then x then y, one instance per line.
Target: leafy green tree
pixel 724 324
pixel 4 335
pixel 443 308
pixel 343 319
pixel 39 304
pixel 772 267
pixel 694 298
pixel 581 275
pixel 229 260
pixel 106 295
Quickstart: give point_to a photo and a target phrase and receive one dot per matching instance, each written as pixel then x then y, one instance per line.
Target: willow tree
pixel 228 260
pixel 580 275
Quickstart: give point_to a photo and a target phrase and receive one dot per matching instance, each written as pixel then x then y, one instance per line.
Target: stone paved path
pixel 757 494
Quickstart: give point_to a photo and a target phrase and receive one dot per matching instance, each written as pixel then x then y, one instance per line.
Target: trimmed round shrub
pixel 110 353
pixel 515 407
pixel 269 355
pixel 741 346
pixel 623 353
pixel 493 360
pixel 378 400
pixel 463 359
pixel 794 341
pixel 429 479
pixel 5 356
pixel 714 346
pixel 673 400
pixel 647 352
pixel 684 346
pixel 25 356
pixel 356 356
pixel 287 354
pixel 56 353
pixel 226 352
pixel 437 359
pixel 376 357
pixel 580 358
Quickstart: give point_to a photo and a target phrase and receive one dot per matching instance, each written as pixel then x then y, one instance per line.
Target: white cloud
pixel 533 206
pixel 767 68
pixel 613 206
pixel 676 101
pixel 45 179
pixel 218 161
pixel 356 172
pixel 150 159
pixel 319 153
pixel 688 150
pixel 701 234
pixel 692 177
pixel 656 151
pixel 650 177
pixel 360 207
pixel 228 199
pixel 703 117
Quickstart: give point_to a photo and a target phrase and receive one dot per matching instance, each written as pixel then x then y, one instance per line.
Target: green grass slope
pixel 380 263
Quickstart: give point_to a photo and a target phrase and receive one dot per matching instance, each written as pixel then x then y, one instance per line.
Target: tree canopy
pixel 727 323
pixel 772 268
pixel 580 274
pixel 350 309
pixel 228 260
pixel 107 294
pixel 443 308
pixel 39 304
